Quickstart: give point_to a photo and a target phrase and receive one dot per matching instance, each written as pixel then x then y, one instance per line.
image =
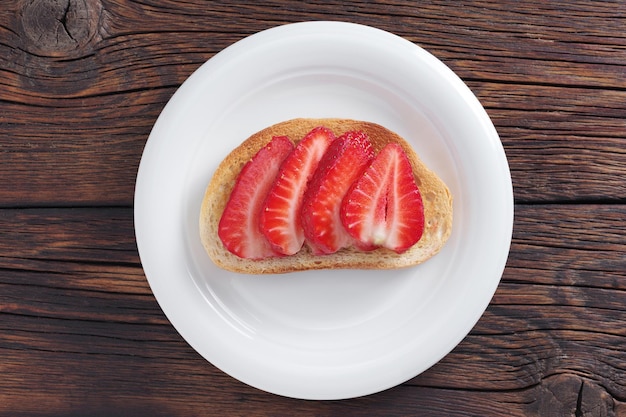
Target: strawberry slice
pixel 341 165
pixel 239 226
pixel 384 206
pixel 280 217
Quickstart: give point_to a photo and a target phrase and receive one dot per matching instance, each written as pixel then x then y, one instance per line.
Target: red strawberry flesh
pixel 239 225
pixel 280 217
pixel 341 165
pixel 384 206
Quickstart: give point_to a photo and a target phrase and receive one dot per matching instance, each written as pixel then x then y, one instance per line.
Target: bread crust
pixel 435 195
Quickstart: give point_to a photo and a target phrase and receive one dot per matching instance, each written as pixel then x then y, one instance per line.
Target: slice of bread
pixel 436 198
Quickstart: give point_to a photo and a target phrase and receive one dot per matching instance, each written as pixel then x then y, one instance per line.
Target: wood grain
pixel 77 314
pixel 550 79
pixel 82 82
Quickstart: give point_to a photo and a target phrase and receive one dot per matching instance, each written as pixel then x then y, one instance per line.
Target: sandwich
pixel 310 194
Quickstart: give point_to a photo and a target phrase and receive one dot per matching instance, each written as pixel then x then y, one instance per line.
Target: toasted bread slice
pixel 436 198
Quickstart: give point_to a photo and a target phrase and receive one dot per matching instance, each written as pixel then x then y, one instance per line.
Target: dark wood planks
pixel 550 78
pixel 78 321
pixel 82 83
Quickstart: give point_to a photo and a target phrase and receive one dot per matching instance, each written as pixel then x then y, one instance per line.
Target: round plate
pixel 323 334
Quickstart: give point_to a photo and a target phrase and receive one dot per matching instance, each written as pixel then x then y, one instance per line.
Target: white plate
pixel 330 334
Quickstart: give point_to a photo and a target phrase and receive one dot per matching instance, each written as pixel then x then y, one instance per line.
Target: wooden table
pixel 83 81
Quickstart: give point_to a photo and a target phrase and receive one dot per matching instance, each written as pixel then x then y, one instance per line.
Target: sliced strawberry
pixel 343 162
pixel 384 206
pixel 239 225
pixel 280 217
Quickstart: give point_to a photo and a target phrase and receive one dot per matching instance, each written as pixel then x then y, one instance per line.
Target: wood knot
pixel 59 27
pixel 571 395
